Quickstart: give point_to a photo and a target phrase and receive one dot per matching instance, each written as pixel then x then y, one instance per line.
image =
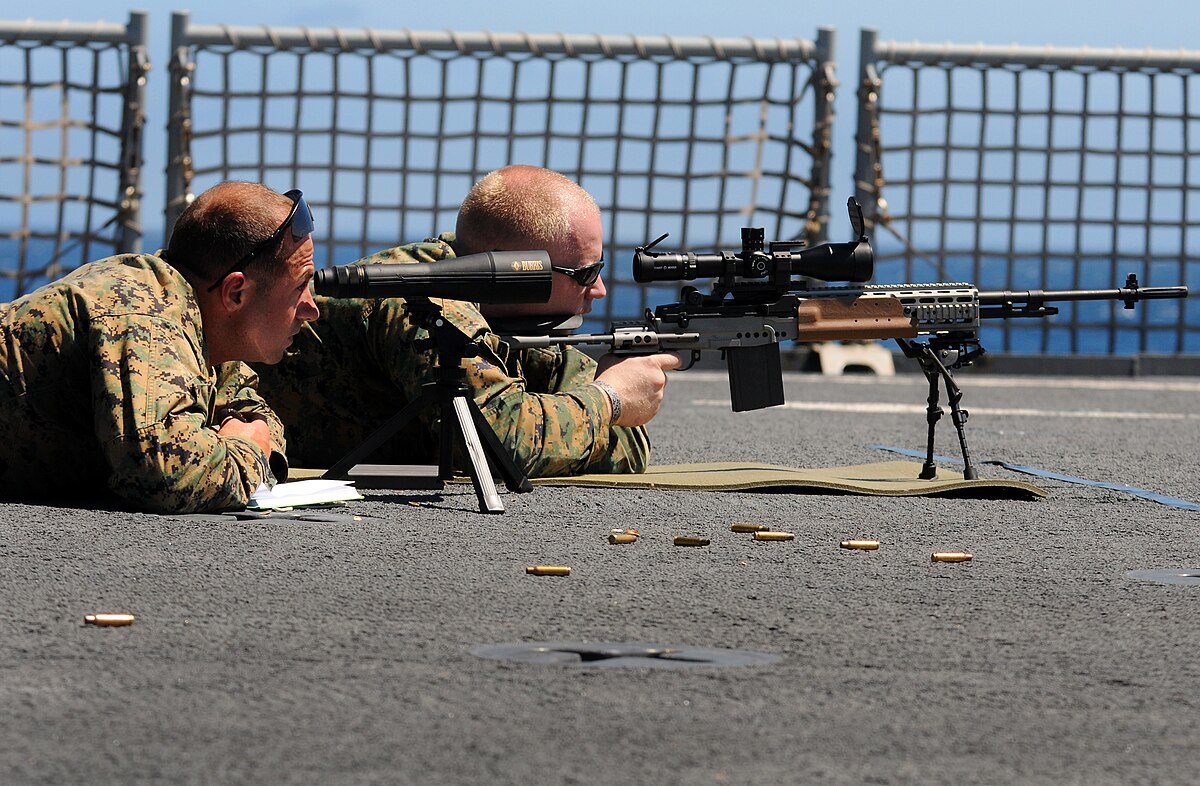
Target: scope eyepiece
pixel 488 277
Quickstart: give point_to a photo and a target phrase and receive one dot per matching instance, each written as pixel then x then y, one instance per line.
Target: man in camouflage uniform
pixel 125 377
pixel 555 409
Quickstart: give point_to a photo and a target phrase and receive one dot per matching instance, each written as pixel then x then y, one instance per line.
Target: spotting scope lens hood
pixel 489 277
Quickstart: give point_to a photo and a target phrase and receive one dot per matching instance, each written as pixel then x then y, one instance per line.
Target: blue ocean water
pixel 1159 327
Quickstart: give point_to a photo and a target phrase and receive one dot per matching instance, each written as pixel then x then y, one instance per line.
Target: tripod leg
pixel 446 439
pixel 481 473
pixel 514 478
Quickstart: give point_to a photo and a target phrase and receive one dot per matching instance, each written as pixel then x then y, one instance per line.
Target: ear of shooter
pixel 548 570
pixel 688 540
pixel 774 535
pixel 951 556
pixel 108 620
pixel 864 545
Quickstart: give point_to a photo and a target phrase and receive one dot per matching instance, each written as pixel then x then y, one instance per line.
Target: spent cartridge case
pixel 865 545
pixel 548 570
pixel 109 620
pixel 618 538
pixel 688 540
pixel 768 535
pixel 951 556
pixel 749 527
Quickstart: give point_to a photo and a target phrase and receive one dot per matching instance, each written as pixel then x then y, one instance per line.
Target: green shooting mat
pixel 885 478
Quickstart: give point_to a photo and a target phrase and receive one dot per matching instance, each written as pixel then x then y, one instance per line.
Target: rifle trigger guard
pixel 694 357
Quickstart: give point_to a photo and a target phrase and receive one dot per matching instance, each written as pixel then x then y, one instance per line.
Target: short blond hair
pixel 520 206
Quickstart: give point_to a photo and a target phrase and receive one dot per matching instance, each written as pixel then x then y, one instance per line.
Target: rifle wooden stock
pixel 853 319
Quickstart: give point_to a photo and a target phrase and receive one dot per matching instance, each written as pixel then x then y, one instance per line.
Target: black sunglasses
pixel 300 219
pixel 583 276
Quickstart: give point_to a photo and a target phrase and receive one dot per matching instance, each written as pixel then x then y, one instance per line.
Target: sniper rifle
pixel 765 294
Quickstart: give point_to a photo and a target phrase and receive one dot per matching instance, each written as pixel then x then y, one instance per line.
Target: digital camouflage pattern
pixel 364 364
pixel 105 389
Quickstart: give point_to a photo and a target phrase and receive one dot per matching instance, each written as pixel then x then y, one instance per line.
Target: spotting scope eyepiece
pixel 489 277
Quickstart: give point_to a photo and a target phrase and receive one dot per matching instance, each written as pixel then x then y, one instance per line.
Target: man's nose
pixel 308 310
pixel 597 290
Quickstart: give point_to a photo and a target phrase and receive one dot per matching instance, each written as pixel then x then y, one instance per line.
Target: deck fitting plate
pixel 609 655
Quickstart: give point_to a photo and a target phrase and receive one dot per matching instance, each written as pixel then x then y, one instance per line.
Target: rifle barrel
pixel 1035 296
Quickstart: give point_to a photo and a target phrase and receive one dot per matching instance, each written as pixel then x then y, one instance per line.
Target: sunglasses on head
pixel 300 220
pixel 583 276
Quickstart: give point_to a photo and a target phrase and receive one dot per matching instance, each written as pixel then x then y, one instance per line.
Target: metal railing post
pixel 179 161
pixel 824 92
pixel 129 200
pixel 866 142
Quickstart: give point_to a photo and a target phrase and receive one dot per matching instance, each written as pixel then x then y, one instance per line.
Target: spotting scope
pixel 488 277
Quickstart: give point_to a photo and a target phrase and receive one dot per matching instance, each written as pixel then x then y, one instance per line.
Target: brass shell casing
pixel 951 556
pixel 864 545
pixel 618 538
pixel 774 535
pixel 109 620
pixel 749 527
pixel 688 540
pixel 548 570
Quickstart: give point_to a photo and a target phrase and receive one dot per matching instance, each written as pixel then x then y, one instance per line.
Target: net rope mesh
pixel 386 141
pixel 67 152
pixel 1018 177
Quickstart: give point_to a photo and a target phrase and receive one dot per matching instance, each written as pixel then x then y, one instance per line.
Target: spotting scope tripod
pixel 462 424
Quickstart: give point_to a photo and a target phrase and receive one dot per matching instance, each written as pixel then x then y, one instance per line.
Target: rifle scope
pixel 489 277
pixel 852 261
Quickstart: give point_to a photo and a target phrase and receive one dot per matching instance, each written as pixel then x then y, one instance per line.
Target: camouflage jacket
pixel 364 364
pixel 105 389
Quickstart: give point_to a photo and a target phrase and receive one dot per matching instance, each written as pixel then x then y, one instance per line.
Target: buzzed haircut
pixel 224 224
pixel 519 206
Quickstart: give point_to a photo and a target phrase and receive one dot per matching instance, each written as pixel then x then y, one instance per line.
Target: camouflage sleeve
pixel 237 391
pixel 570 369
pixel 152 407
pixel 432 250
pixel 550 433
pixel 629 447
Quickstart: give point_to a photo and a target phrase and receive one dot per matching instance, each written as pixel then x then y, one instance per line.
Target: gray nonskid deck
pixel 333 650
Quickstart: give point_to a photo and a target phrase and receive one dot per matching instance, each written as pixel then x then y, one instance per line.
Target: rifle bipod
pixel 462 424
pixel 934 369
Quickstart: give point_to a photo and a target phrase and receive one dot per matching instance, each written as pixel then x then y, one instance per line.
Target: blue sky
pixel 1101 24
